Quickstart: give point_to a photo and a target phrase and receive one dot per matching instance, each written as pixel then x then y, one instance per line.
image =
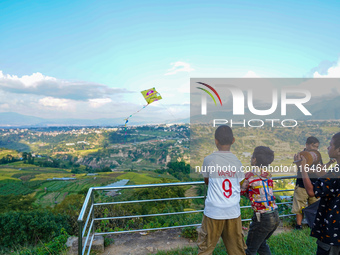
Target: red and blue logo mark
pixel 208 92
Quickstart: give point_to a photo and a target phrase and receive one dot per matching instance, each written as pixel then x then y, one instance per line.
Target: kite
pixel 150 96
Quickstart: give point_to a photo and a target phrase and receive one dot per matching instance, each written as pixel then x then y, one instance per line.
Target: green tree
pixel 16 203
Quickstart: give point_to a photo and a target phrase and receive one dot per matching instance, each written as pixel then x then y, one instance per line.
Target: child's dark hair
pixel 336 140
pixel 264 156
pixel 224 135
pixel 311 140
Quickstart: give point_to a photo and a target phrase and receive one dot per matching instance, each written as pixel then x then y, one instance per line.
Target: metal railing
pixel 89 204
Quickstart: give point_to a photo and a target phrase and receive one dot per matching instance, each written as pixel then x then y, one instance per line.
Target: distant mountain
pixel 16 119
pixel 328 109
pixel 12 119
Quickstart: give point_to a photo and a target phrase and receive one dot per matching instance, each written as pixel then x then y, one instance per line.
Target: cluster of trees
pixel 27 158
pixel 22 227
pixel 12 202
pixel 24 223
pixel 8 159
pixel 179 170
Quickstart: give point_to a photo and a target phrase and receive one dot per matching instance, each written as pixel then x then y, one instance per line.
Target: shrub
pixel 54 247
pixel 27 228
pixel 190 232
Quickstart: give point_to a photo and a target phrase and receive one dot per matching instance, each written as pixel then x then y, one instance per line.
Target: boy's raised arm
pixel 305 178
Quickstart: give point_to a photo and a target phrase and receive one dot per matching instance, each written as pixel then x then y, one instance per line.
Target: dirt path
pixel 135 243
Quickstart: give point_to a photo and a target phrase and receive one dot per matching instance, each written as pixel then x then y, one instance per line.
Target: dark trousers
pixel 260 231
pixel 326 249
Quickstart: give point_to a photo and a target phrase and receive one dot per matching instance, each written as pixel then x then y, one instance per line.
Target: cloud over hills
pixel 45 96
pixel 39 84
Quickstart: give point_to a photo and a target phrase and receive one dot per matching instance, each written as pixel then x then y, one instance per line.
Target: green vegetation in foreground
pixel 56 246
pixel 293 243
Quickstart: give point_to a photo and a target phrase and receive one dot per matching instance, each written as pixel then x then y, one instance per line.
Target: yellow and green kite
pixel 150 96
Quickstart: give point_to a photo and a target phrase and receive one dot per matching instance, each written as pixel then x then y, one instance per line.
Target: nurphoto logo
pixel 278 100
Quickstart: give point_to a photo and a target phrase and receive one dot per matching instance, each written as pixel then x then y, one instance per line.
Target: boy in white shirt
pixel 222 216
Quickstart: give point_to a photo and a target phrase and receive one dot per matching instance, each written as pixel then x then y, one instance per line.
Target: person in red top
pixel 258 187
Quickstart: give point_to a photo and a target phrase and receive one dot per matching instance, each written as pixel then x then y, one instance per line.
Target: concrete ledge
pixel 97 244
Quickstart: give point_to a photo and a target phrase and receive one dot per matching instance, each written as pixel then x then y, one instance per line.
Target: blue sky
pixel 90 59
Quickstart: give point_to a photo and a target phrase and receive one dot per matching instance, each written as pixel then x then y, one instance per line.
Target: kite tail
pixel 127 119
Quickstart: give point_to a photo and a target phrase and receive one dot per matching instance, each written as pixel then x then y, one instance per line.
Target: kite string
pixel 127 119
pixel 167 110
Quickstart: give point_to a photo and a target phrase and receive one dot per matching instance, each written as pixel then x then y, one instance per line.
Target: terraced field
pixel 23 179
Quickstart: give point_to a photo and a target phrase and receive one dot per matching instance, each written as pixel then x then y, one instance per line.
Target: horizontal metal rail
pixel 249 206
pixel 147 200
pixel 82 212
pixel 148 215
pixel 280 216
pixel 84 228
pixel 155 185
pixel 147 229
pixel 283 190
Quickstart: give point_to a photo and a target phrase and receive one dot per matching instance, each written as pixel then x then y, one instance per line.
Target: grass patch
pixel 138 178
pixel 83 153
pixel 5 152
pixel 7 173
pixel 22 179
pixel 297 242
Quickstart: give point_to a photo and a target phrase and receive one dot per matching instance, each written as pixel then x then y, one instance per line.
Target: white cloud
pixel 251 74
pixel 332 72
pixel 39 84
pixel 26 80
pixel 179 67
pixel 58 103
pixel 98 102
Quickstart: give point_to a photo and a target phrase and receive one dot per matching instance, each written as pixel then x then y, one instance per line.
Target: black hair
pixel 311 140
pixel 264 155
pixel 336 140
pixel 224 135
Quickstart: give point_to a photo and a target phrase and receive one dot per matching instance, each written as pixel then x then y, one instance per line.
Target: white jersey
pixel 224 172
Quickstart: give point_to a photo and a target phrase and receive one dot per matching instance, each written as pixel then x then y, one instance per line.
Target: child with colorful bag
pixel 258 187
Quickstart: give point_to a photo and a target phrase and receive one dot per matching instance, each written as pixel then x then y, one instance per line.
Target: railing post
pixel 92 202
pixel 205 191
pixel 80 237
